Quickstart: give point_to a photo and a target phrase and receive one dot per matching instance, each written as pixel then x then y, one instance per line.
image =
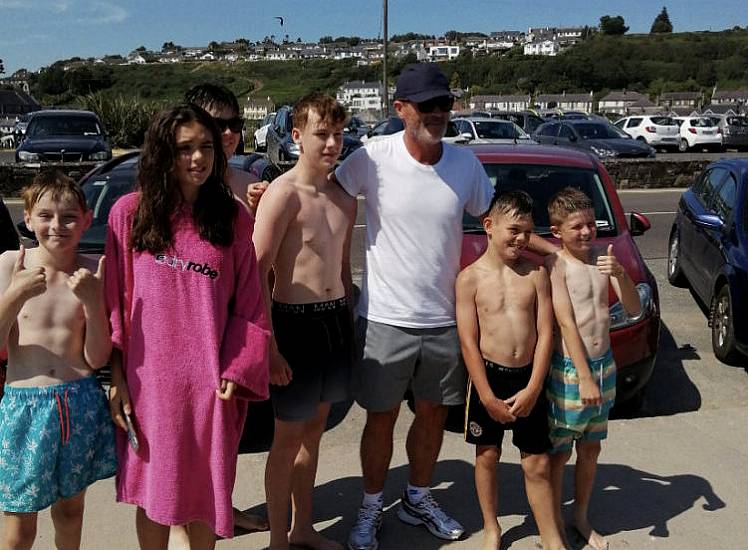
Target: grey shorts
pixel 393 359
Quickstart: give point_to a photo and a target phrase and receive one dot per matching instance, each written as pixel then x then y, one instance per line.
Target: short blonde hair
pixel 566 202
pixel 57 184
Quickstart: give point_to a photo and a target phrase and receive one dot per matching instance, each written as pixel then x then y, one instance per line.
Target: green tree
pixel 326 39
pixel 2 68
pixel 662 23
pixel 613 25
pixel 455 83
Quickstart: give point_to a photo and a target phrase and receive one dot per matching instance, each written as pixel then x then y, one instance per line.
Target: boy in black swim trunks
pixel 505 324
pixel 302 232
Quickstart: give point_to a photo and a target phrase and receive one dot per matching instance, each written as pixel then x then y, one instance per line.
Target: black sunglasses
pixel 443 103
pixel 235 124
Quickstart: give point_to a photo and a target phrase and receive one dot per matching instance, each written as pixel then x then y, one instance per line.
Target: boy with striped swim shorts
pixel 56 436
pixel 581 383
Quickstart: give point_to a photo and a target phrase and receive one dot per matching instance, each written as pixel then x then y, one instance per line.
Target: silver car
pixel 490 130
pixel 734 131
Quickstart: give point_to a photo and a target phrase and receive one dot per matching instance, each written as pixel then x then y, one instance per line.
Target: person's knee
pixel 588 450
pixel 487 455
pixel 21 532
pixel 68 513
pixel 430 414
pixel 382 422
pixel 536 467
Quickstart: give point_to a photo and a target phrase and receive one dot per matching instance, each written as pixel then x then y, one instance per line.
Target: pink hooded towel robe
pixel 196 316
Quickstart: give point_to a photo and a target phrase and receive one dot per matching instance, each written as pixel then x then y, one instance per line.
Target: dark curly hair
pixel 214 210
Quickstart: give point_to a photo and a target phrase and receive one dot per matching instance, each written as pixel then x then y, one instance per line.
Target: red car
pixel 542 171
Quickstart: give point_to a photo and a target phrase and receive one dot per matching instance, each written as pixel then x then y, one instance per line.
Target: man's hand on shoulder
pixel 88 287
pixel 26 283
pixel 254 194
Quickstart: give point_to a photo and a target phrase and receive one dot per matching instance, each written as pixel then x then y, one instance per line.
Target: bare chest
pixel 497 294
pixel 57 307
pixel 586 284
pixel 320 225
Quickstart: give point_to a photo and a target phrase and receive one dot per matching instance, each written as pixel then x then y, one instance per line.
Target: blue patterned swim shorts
pixel 54 442
pixel 568 418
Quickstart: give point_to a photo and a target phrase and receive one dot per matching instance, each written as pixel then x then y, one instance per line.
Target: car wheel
pixel 723 329
pixel 683 146
pixel 674 272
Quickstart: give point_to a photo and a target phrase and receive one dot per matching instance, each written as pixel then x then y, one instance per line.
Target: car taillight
pixel 719 130
pixel 692 130
pixel 651 129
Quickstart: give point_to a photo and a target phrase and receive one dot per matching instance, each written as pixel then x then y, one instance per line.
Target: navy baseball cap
pixel 420 82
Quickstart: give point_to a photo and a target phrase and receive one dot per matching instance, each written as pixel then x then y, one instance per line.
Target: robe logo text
pixel 186 265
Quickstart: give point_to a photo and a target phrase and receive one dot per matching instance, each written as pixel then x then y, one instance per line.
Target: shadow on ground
pixel 631 499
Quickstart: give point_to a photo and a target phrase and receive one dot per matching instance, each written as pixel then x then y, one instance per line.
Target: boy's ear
pixel 555 231
pixel 487 225
pixel 296 135
pixel 27 219
pixel 87 219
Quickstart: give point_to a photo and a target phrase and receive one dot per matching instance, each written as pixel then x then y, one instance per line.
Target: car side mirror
pixel 25 231
pixel 466 136
pixel 709 221
pixel 638 224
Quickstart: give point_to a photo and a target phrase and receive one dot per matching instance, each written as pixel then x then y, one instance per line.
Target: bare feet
pixel 250 522
pixel 593 538
pixel 491 540
pixel 312 539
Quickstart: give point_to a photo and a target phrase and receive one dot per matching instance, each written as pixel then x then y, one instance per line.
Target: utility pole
pixel 385 88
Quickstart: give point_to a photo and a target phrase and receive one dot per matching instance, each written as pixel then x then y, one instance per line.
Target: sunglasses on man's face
pixel 444 104
pixel 234 124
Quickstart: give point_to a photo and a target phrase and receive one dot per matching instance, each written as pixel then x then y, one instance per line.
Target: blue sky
pixel 35 33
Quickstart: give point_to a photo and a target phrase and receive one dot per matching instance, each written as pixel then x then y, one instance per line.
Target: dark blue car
pixel 708 251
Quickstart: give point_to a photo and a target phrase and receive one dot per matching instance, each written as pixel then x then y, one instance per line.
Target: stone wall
pixel 654 173
pixel 14 176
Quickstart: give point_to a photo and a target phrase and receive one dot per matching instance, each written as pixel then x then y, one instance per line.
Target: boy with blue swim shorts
pixel 581 382
pixel 56 435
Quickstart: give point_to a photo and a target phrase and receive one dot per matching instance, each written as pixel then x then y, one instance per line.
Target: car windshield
pixel 533 122
pixel 596 131
pixel 701 122
pixel 737 121
pixel 663 121
pixel 63 126
pixel 541 182
pixel 495 129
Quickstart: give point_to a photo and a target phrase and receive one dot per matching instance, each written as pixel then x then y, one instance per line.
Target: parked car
pixel 707 252
pixel 527 120
pixel 698 132
pixel 261 133
pixel 490 130
pixel 19 130
pixel 64 136
pixel 601 138
pixel 541 172
pixel 281 147
pixel 655 130
pixel 356 127
pixel 733 129
pixel 395 124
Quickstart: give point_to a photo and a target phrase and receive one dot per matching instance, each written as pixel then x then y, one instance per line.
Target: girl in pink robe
pixel 190 328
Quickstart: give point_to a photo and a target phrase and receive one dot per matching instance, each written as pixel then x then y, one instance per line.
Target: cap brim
pixel 426 95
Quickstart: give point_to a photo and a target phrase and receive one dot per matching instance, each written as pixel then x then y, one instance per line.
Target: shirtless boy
pixel 302 233
pixel 57 437
pixel 505 323
pixel 582 382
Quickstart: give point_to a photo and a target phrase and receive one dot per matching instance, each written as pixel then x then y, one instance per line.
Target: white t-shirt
pixel 413 228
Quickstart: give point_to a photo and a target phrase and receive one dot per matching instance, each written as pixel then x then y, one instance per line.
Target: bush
pixel 126 119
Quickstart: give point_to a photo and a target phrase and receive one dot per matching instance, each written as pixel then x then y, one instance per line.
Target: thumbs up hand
pixel 27 283
pixel 88 287
pixel 608 264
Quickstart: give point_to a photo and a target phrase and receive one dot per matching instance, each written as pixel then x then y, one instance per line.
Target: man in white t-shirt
pixel 417 189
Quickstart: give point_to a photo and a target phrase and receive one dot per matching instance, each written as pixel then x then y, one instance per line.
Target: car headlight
pixel 620 319
pixel 294 149
pixel 27 156
pixel 101 155
pixel 603 153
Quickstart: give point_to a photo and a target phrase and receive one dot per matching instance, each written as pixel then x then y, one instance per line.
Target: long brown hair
pixel 214 210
